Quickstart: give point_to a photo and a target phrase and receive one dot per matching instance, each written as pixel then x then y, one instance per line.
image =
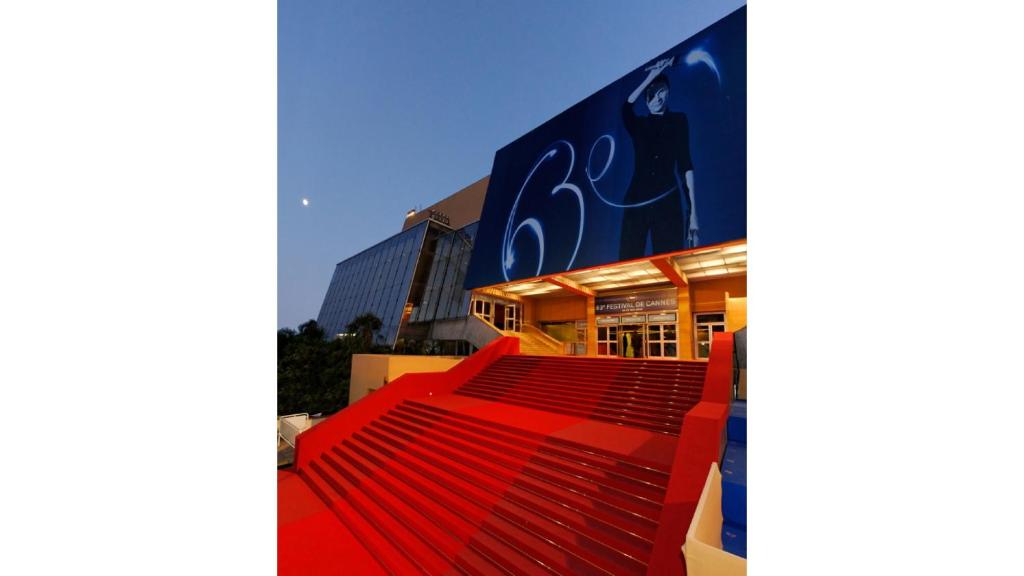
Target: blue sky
pixel 386 105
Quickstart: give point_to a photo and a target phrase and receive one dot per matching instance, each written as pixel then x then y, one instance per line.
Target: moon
pixel 305 201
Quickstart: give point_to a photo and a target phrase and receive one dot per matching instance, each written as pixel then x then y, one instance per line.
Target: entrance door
pixel 631 341
pixel 499 316
pixel 661 341
pixel 705 326
pixel 607 340
pixel 512 318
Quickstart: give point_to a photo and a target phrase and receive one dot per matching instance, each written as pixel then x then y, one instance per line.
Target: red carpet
pixel 505 464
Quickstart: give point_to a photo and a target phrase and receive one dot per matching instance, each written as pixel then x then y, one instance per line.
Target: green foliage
pixel 313 373
pixel 301 358
pixel 364 327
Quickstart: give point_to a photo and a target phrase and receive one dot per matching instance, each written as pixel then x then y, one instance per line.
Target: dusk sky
pixel 389 105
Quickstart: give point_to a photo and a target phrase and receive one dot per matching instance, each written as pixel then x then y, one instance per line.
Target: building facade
pixel 617 228
pixel 412 278
pixel 664 306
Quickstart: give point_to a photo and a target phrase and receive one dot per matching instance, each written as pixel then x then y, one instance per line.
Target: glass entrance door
pixel 705 326
pixel 631 341
pixel 512 318
pixel 607 340
pixel 661 341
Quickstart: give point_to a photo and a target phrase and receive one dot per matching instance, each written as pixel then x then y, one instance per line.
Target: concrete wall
pixel 371 371
pixel 735 312
pixel 709 295
pixel 559 309
pixel 470 328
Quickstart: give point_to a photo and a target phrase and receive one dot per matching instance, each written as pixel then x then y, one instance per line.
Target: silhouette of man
pixel 656 204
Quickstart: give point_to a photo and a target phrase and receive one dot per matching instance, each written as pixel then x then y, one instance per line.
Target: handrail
pixel 554 341
pixel 289 435
pixel 487 323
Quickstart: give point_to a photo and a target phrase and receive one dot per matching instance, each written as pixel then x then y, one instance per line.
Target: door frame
pixel 711 333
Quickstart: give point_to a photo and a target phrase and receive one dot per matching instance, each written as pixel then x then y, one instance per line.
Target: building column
pixel 684 329
pixel 527 310
pixel 735 313
pixel 591 328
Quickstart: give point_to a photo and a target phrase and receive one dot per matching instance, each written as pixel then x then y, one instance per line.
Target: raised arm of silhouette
pixel 660 202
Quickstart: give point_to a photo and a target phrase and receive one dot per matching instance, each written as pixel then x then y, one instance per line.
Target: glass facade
pixel 377 280
pixel 443 295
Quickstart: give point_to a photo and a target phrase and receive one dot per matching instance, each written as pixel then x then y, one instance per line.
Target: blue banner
pixel 653 163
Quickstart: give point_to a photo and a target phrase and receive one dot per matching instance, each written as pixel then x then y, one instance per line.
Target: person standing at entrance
pixel 655 204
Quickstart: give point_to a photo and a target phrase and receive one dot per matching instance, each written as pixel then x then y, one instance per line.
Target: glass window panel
pixel 414 245
pixel 398 278
pixel 379 287
pixel 613 348
pixel 359 296
pixel 452 289
pixel 718 317
pixel 374 281
pixel 459 268
pixel 602 348
pixel 670 350
pixel 378 290
pixel 381 291
pixel 451 271
pixel 406 267
pixel 602 333
pixel 669 332
pixel 399 294
pixel 387 314
pixel 431 288
pixel 454 310
pixel 654 349
pixel 702 349
pixel 441 254
pixel 389 306
pixel 412 259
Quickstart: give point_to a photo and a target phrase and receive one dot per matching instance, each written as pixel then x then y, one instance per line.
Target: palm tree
pixel 364 326
pixel 310 329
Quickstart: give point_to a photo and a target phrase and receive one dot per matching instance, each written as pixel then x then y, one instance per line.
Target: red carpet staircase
pixel 649 394
pixel 533 466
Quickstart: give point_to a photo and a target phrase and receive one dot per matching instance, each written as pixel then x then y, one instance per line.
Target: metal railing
pixel 290 426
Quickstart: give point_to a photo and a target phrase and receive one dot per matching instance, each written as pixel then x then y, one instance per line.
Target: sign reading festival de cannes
pixel 649 301
pixel 653 163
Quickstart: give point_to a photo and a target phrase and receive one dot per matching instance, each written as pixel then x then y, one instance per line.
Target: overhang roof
pixel 722 260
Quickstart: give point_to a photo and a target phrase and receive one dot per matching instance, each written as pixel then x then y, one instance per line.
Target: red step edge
pixel 700 444
pixel 315 441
